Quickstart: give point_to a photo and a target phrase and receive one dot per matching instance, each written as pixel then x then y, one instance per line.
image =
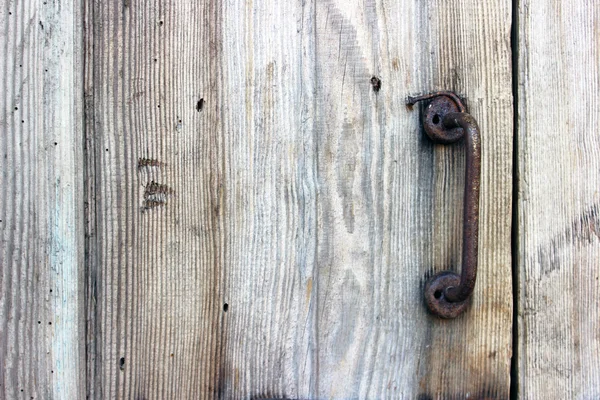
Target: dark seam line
pixel 514 370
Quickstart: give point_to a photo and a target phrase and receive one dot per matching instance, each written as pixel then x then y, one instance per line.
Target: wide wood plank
pixel 156 233
pixel 558 200
pixel 390 202
pixel 41 208
pixel 261 220
pixel 204 226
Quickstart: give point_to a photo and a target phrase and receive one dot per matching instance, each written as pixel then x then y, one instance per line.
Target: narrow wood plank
pixel 390 202
pixel 41 113
pixel 203 229
pixel 558 200
pixel 270 199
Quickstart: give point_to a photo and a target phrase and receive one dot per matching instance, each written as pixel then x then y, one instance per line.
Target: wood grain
pixel 41 295
pixel 272 240
pixel 156 232
pixel 271 194
pixel 558 200
pixel 204 237
pixel 390 202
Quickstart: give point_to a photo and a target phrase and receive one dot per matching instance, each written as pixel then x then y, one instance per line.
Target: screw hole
pixel 436 119
pixel 437 294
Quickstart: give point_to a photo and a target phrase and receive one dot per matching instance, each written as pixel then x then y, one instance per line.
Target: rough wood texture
pixel 272 240
pixel 390 202
pixel 156 233
pixel 558 200
pixel 41 254
pixel 204 228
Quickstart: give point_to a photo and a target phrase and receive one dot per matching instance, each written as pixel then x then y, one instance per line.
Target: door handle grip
pixel 446 121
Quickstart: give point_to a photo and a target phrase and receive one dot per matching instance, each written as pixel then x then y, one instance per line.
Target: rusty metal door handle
pixel 446 121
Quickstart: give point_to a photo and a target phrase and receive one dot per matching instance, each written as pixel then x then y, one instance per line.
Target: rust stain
pixel 309 285
pixel 148 163
pixel 156 194
pixel 158 188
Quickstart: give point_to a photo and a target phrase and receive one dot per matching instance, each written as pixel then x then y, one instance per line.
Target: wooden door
pixel 265 217
pixel 231 199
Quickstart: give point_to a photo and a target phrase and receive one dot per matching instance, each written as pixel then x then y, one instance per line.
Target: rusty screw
pixel 446 121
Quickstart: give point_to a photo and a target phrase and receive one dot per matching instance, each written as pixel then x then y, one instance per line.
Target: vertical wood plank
pixel 41 114
pixel 204 223
pixel 390 202
pixel 272 240
pixel 156 155
pixel 558 197
pixel 270 197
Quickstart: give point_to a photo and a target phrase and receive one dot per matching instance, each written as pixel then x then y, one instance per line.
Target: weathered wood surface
pixel 259 221
pixel 390 202
pixel 204 239
pixel 157 158
pixel 41 253
pixel 558 200
pixel 272 240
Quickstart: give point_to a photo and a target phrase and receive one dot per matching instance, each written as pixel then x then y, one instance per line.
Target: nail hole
pixel 437 294
pixel 200 105
pixel 122 363
pixel 436 119
pixel 376 83
pixel 225 307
